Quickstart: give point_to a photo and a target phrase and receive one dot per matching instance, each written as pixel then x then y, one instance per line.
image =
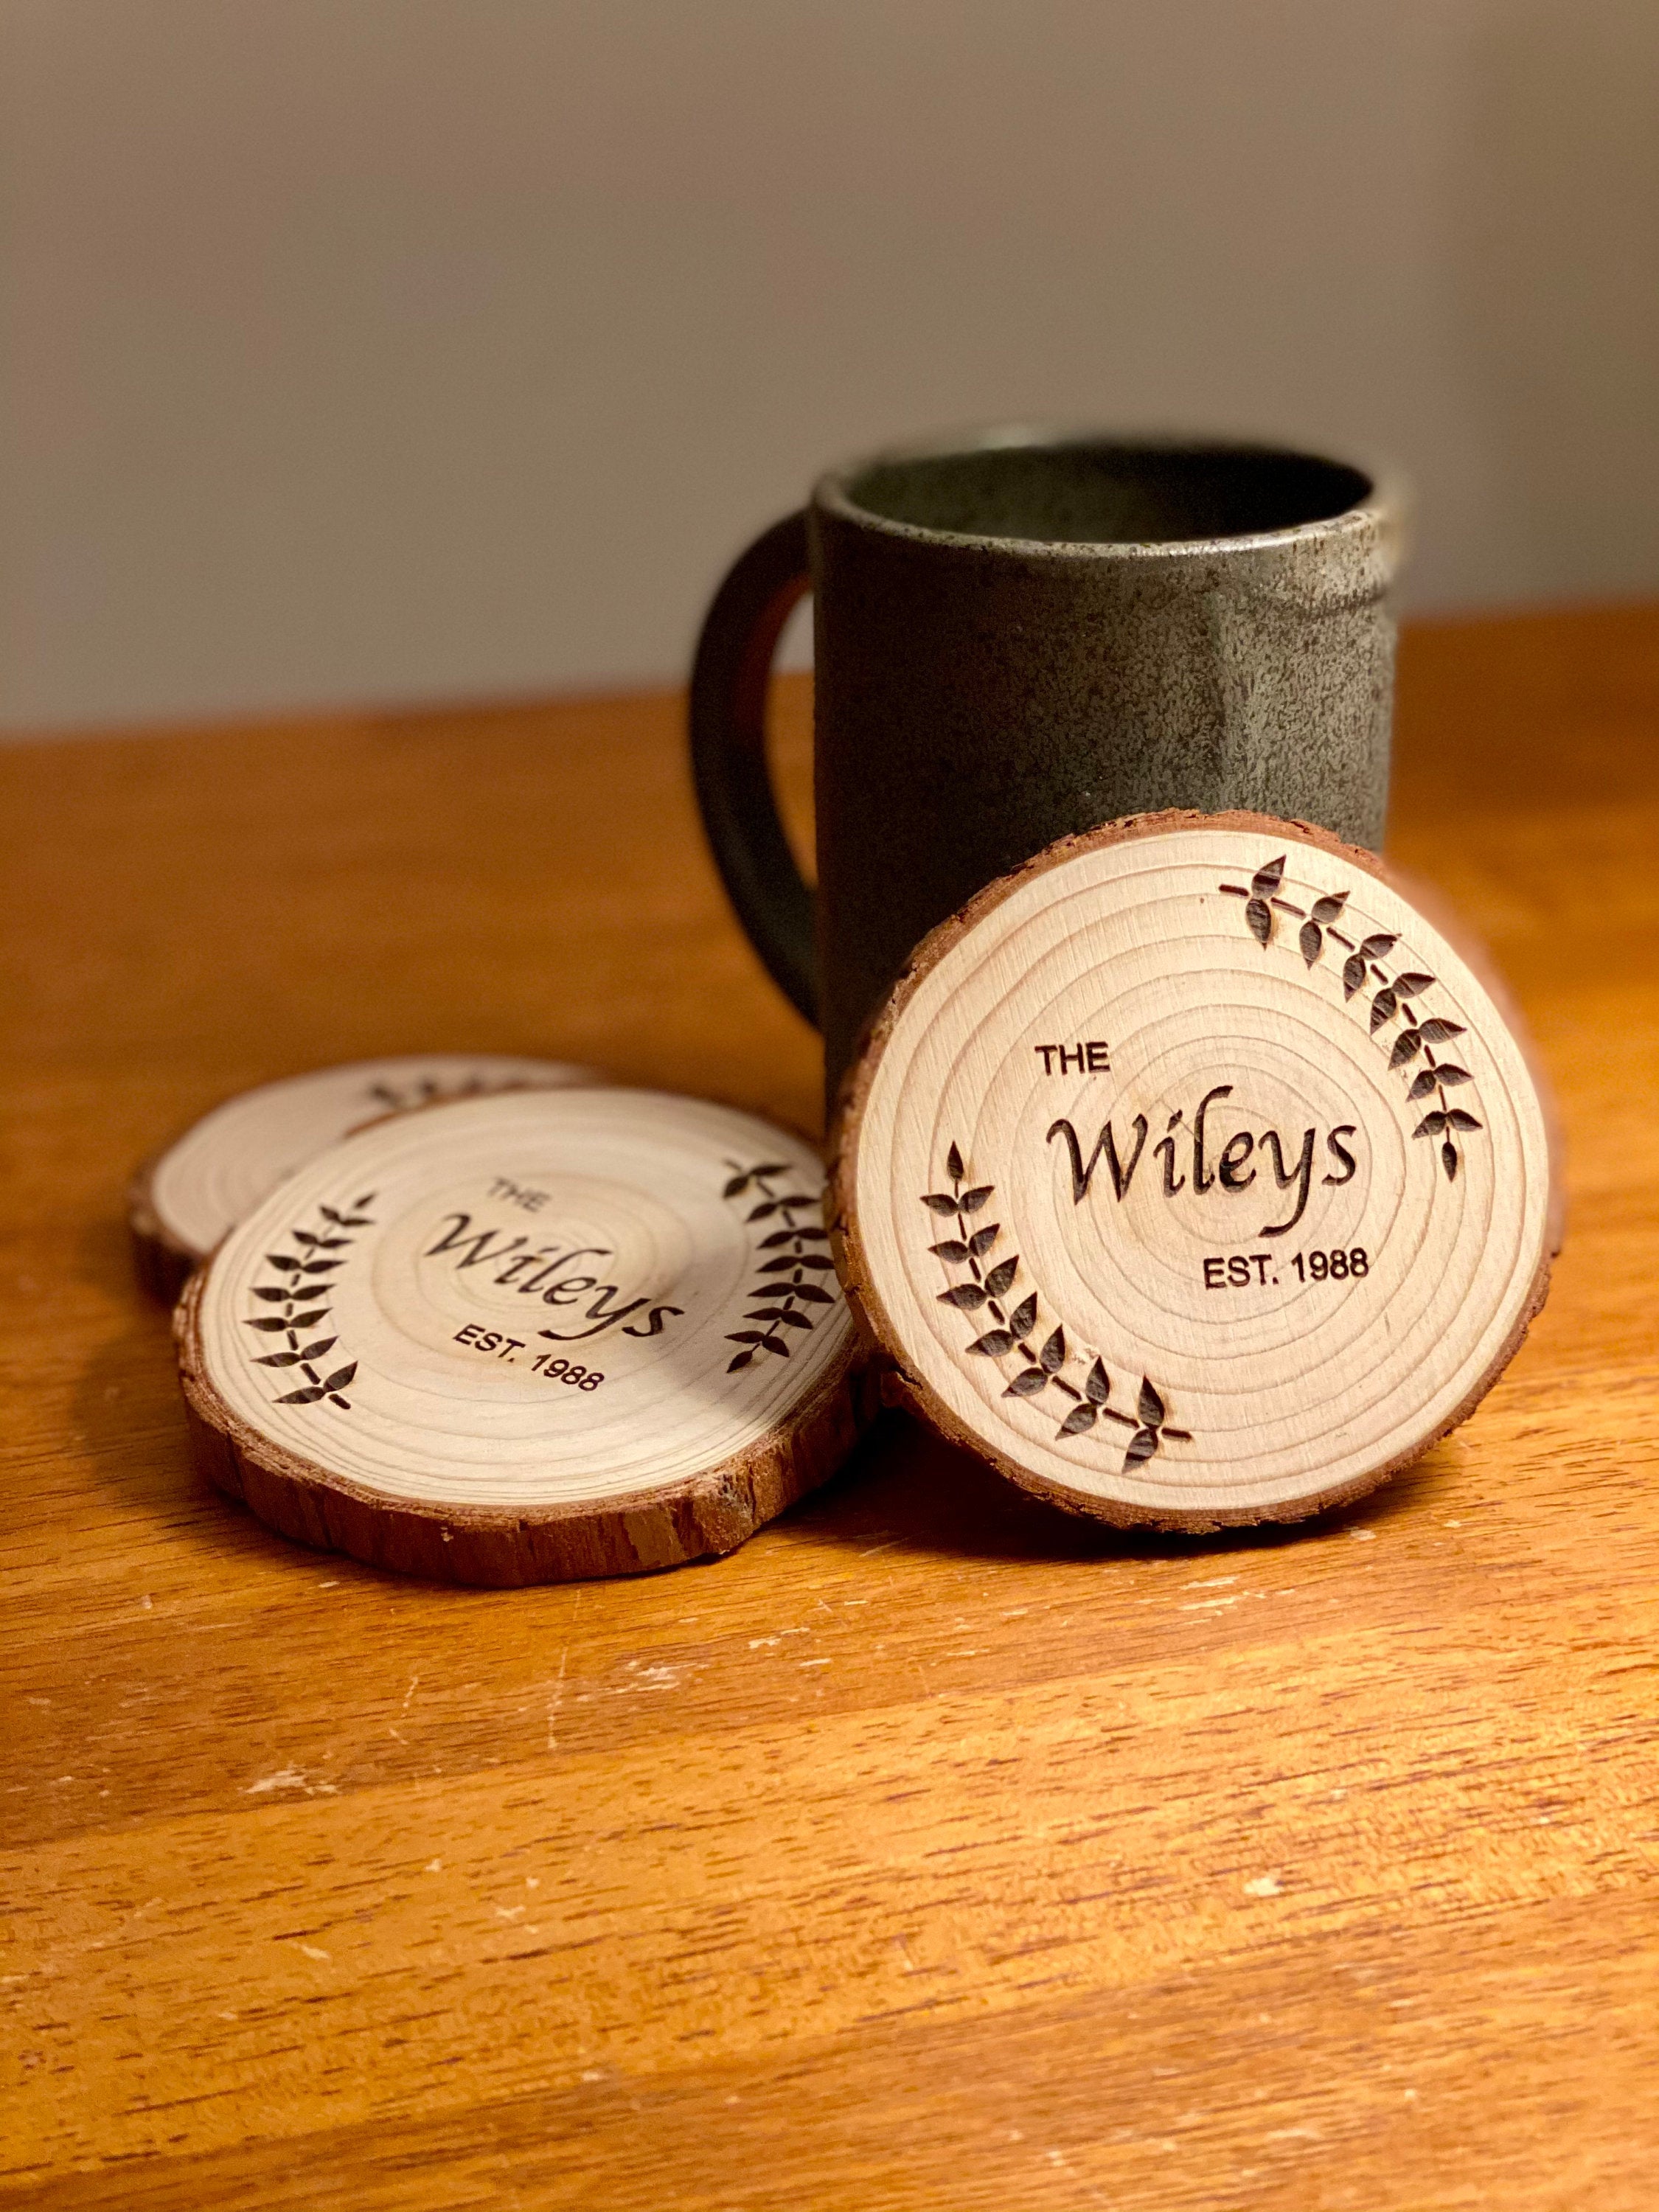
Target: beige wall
pixel 382 350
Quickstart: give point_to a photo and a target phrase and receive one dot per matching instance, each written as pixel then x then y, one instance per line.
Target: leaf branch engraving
pixel 1393 996
pixel 427 1090
pixel 987 1287
pixel 301 1285
pixel 789 1278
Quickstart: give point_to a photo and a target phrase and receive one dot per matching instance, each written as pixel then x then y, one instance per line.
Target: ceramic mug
pixel 1024 634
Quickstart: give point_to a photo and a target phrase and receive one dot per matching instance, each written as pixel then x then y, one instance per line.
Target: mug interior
pixel 1089 491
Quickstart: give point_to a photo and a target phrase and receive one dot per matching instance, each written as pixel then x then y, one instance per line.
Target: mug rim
pixel 1383 505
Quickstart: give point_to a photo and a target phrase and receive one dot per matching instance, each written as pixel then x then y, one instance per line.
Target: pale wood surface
pixel 1248 1114
pixel 935 1849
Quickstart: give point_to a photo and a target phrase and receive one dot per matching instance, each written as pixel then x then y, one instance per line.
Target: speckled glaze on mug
pixel 1025 633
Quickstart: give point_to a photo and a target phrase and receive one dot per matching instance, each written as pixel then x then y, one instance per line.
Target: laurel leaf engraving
pixel 279 1359
pixel 1384 1006
pixel 1354 974
pixel 1142 1445
pixel 1024 1317
pixel 1457 1119
pixel 1422 1083
pixel 1436 1031
pixel 1259 915
pixel 953 1164
pixel 983 1239
pixel 1080 1419
pixel 1268 879
pixel 284 1261
pixel 814 1294
pixel 743 1336
pixel 1412 982
pixel 1053 1354
pixel 266 1321
pixel 766 1206
pixel 1098 1386
pixel 973 1200
pixel 1311 939
pixel 953 1251
pixel 1407 1046
pixel 306 1397
pixel 1002 1277
pixel 1328 909
pixel 742 1360
pixel 1027 1380
pixel 1431 1125
pixel 994 1343
pixel 1374 947
pixel 1449 1160
pixel 965 1295
pixel 1449 1072
pixel 1149 1406
pixel 940 1201
pixel 736 1188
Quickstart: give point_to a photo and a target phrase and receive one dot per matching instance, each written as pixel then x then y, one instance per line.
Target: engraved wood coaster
pixel 1192 1176
pixel 182 1202
pixel 526 1337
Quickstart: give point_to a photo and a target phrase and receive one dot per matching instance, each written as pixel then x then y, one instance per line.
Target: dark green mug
pixel 1024 634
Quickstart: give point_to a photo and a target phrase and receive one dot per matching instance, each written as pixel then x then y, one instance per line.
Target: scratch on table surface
pixel 414 1685
pixel 1264 1885
pixel 290 1777
pixel 556 1699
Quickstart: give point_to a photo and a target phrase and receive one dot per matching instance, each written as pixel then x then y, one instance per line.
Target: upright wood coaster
pixel 531 1336
pixel 1192 1176
pixel 183 1200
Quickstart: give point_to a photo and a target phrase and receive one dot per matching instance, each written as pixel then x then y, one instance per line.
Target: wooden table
pixel 935 1850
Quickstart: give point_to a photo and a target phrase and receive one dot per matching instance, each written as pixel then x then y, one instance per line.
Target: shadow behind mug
pixel 1021 635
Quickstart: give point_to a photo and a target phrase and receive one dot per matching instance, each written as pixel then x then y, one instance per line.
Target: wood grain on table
pixel 934 1851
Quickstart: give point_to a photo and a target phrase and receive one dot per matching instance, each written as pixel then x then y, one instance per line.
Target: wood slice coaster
pixel 1192 1176
pixel 182 1202
pixel 541 1334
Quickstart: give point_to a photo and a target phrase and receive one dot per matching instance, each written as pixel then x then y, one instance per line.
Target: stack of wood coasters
pixel 541 1334
pixel 1192 1176
pixel 183 1201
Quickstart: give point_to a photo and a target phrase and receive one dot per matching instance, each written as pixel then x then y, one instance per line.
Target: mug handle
pixel 740 810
